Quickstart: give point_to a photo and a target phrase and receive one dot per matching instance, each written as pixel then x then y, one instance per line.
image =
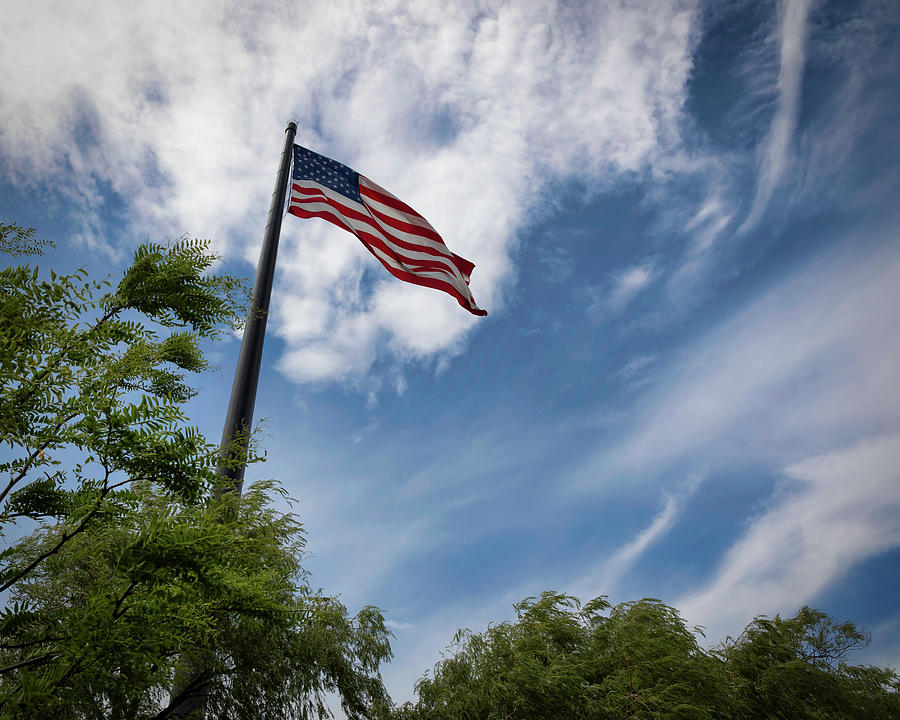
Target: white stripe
pixel 327 191
pixel 400 234
pixel 414 239
pixel 410 255
pixel 461 287
pixel 388 210
pixel 310 204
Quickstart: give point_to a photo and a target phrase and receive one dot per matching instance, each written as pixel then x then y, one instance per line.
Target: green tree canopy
pixel 119 555
pixel 796 668
pixel 639 660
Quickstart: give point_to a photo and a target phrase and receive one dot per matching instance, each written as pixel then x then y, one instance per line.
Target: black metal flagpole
pixel 190 682
pixel 239 420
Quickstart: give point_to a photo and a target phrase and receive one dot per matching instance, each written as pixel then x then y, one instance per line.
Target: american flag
pixel 402 240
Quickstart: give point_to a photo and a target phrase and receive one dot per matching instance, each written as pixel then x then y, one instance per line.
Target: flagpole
pixel 239 419
pixel 191 682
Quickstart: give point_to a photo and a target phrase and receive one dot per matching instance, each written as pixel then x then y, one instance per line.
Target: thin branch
pixel 32 643
pixel 32 661
pixel 66 536
pixel 119 484
pixel 11 517
pixel 31 458
pixel 131 586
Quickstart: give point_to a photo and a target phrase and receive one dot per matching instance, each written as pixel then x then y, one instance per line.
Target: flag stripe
pixel 359 213
pixel 408 254
pixel 310 188
pixel 401 220
pixel 376 195
pixel 376 192
pixel 375 243
pixel 444 256
pixel 438 280
pixel 403 225
pixel 465 267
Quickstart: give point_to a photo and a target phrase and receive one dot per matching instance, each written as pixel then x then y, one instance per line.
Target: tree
pixel 639 660
pixel 120 553
pixel 562 660
pixel 796 668
pixel 20 240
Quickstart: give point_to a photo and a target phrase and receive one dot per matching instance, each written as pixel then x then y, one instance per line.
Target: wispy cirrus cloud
pixel 775 150
pixel 830 512
pixel 629 283
pixel 556 261
pixel 606 576
pixel 612 297
pixel 633 373
pixel 858 57
pixel 399 626
pixel 804 379
pixel 708 223
pixel 807 360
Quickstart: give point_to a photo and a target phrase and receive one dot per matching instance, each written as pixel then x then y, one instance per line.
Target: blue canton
pixel 325 171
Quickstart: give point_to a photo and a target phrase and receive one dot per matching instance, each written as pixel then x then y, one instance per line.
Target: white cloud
pixel 629 283
pixel 860 57
pixel 558 264
pixel 605 577
pixel 347 348
pixel 466 110
pixel 810 360
pixel 398 626
pixel 708 224
pixel 621 288
pixel 831 512
pixel 805 378
pixel 632 371
pixel 774 152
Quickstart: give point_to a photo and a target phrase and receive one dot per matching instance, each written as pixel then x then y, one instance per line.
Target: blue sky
pixel 683 217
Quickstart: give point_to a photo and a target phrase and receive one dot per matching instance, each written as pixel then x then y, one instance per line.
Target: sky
pixel 684 221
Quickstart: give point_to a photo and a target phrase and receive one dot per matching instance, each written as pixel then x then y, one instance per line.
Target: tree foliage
pixel 639 660
pixel 20 240
pixel 119 554
pixel 796 668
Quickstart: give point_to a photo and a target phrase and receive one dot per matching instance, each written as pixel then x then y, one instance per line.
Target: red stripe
pixel 349 212
pixel 433 283
pixel 464 266
pixel 404 275
pixel 356 215
pixel 414 246
pixel 305 190
pixel 330 217
pixel 370 239
pixel 388 200
pixel 405 226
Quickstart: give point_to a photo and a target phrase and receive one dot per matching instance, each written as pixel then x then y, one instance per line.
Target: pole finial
pixel 291 126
